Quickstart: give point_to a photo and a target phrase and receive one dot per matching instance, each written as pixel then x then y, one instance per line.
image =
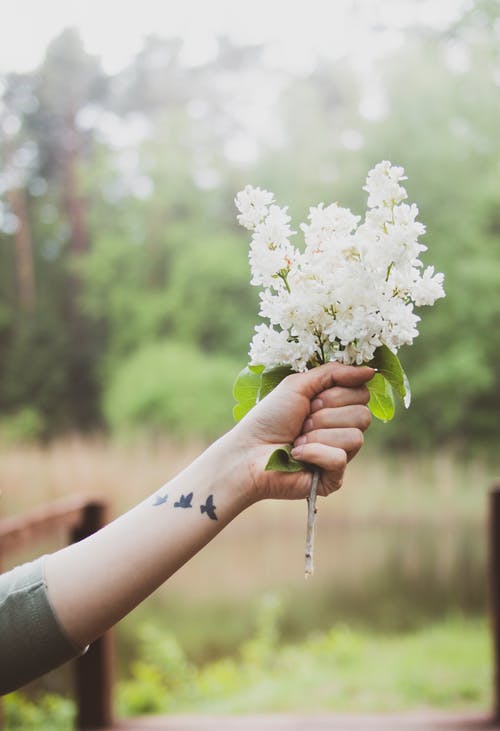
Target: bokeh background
pixel 126 313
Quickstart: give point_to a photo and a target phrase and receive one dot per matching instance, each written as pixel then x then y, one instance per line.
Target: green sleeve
pixel 32 641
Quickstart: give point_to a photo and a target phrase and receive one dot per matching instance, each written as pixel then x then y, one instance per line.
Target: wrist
pixel 245 464
pixel 226 465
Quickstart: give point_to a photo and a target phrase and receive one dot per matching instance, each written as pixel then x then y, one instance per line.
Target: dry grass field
pixel 380 491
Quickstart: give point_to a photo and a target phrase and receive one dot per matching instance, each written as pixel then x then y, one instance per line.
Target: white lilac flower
pixel 253 204
pixel 328 226
pixel 382 185
pixel 428 288
pixel 270 250
pixel 351 290
pixel 274 348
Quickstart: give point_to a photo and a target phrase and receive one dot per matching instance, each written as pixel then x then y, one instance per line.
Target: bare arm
pixel 94 583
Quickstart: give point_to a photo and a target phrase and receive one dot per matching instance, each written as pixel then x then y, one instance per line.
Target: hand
pixel 322 413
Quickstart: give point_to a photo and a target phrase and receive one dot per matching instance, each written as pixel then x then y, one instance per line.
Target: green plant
pixel 171 387
pixel 160 675
pixel 25 425
pixel 48 713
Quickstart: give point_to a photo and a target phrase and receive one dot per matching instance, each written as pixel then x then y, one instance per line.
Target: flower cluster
pixel 354 286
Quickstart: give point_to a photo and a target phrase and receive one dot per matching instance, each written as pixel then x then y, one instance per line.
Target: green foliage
pixel 338 670
pixel 272 378
pixel 132 247
pixel 33 380
pixel 390 377
pixel 281 460
pixel 444 666
pixel 260 651
pixel 381 398
pixel 246 390
pixel 389 366
pixel 48 713
pixel 171 387
pixel 209 298
pixel 253 384
pixel 24 426
pixel 161 673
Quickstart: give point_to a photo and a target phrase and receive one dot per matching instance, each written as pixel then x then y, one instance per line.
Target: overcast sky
pixel 296 31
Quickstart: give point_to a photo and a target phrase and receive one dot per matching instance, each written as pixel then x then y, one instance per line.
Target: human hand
pixel 323 413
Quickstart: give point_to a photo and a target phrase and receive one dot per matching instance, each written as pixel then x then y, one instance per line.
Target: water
pixel 381 575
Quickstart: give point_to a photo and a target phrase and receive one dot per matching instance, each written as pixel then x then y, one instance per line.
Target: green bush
pixel 444 665
pixel 158 678
pixel 172 387
pixel 25 425
pixel 48 713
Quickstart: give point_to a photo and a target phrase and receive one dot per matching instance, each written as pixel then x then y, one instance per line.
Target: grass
pixel 443 666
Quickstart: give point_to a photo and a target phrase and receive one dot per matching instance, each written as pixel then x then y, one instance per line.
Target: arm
pixel 94 583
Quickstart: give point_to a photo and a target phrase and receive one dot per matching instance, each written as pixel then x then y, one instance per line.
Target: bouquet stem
pixel 311 512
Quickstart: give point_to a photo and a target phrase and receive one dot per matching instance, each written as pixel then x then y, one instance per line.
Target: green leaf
pixel 246 390
pixel 252 384
pixel 389 366
pixel 270 379
pixel 281 460
pixel 381 402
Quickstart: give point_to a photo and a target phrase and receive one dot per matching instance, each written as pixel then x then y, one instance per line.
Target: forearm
pixel 94 583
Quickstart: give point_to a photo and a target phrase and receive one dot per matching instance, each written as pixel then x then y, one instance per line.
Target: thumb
pixel 319 379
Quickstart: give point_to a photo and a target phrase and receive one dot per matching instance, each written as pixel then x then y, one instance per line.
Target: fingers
pixel 340 396
pixel 331 460
pixel 325 377
pixel 357 416
pixel 349 439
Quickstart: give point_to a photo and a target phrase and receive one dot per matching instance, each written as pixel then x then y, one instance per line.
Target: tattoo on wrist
pixel 185 501
pixel 160 500
pixel 209 508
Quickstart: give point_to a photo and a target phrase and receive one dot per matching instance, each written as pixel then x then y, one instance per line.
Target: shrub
pixel 172 387
pixel 25 425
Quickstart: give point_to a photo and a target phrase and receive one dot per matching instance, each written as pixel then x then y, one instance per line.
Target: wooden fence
pixel 494 590
pixel 94 670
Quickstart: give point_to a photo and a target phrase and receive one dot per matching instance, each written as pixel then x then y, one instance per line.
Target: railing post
pixel 1 704
pixel 494 591
pixel 94 669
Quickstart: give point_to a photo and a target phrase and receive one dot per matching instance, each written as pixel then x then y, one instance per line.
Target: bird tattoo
pixel 184 501
pixel 160 499
pixel 209 508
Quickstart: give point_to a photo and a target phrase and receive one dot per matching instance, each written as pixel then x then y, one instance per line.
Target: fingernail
pixel 300 440
pixel 316 405
pixel 297 451
pixel 308 425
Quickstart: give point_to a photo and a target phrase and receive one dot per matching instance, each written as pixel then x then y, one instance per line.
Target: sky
pixel 295 31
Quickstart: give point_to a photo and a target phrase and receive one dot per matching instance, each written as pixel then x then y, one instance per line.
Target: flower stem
pixel 283 276
pixel 311 512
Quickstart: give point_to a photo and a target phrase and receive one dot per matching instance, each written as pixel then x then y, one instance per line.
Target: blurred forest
pixel 125 301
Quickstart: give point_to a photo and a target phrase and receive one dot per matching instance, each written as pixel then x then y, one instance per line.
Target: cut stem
pixel 311 512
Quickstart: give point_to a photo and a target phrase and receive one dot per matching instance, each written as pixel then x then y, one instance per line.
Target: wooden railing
pixel 494 591
pixel 78 517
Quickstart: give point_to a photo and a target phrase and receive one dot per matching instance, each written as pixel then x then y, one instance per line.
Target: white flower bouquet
pixel 348 296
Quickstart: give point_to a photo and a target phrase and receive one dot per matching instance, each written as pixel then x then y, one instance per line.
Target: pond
pixel 381 574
